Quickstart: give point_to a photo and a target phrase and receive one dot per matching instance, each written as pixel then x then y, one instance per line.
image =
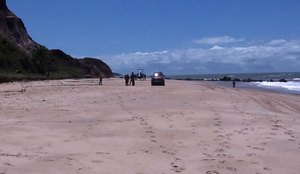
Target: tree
pixel 43 61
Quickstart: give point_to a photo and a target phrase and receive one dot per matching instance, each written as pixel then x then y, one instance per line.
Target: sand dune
pixel 76 126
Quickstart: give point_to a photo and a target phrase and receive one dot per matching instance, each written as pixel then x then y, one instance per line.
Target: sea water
pixel 291 86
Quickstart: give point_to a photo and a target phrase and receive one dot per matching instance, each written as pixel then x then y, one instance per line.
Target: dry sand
pixel 76 126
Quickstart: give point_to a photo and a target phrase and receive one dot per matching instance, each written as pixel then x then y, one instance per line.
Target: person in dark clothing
pixel 126 77
pixel 100 78
pixel 132 78
pixel 233 84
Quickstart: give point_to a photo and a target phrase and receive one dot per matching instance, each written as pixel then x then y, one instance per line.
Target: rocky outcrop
pixel 13 29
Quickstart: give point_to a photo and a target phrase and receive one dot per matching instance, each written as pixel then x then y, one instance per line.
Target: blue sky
pixel 174 36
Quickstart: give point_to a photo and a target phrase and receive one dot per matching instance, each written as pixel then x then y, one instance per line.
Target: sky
pixel 173 36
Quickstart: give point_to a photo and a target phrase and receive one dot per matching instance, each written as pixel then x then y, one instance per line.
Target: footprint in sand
pixel 259 148
pixel 233 169
pixel 222 161
pixel 219 150
pixel 289 132
pixel 168 152
pixel 150 132
pixel 275 128
pixel 178 165
pixel 251 154
pixel 147 151
pixel 7 164
pixel 267 168
pixel 225 144
pixel 154 141
pixel 213 172
pixel 97 161
pixel 130 153
pixel 102 153
pixel 179 142
pixel 206 159
pixel 221 155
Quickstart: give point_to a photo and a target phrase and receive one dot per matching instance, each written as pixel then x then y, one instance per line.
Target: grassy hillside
pixel 45 64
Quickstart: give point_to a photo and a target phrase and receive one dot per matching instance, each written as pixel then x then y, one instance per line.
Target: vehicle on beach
pixel 158 78
pixel 140 75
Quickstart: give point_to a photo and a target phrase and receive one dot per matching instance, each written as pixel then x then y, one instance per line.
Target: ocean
pixel 267 81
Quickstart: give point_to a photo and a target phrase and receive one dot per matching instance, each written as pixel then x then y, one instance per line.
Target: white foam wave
pixel 291 85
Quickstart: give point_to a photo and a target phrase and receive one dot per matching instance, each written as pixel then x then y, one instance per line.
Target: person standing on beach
pixel 233 84
pixel 100 78
pixel 126 77
pixel 132 78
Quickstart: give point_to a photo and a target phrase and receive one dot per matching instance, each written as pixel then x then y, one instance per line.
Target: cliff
pixel 13 29
pixel 22 58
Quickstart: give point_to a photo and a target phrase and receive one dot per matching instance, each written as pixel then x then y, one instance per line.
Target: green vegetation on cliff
pixel 45 64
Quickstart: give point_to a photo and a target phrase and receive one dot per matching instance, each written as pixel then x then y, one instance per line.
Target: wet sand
pixel 77 126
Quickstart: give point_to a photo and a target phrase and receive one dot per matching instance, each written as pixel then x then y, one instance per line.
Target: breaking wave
pixel 291 85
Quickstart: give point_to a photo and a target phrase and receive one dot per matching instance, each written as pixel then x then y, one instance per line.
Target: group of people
pixel 131 78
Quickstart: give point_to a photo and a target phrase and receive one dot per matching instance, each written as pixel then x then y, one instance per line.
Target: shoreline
pixel 285 82
pixel 250 85
pixel 246 85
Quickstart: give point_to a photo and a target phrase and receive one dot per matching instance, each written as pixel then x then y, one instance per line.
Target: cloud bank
pixel 273 56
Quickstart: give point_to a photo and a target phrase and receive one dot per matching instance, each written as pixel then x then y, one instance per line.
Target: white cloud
pixel 216 47
pixel 217 40
pixel 277 55
pixel 277 42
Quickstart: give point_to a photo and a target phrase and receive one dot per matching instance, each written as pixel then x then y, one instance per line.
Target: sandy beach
pixel 77 126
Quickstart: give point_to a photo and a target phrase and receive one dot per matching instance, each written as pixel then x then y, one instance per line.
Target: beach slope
pixel 77 126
